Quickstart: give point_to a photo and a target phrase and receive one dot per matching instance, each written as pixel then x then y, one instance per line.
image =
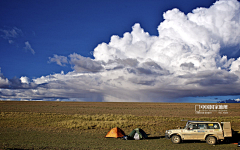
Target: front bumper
pixel 167 136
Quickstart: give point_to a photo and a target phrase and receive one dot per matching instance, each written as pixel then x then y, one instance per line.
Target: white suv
pixel 211 132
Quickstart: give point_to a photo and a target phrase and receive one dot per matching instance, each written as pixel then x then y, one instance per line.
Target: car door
pixel 199 132
pixel 214 128
pixel 194 131
pixel 227 131
pixel 188 132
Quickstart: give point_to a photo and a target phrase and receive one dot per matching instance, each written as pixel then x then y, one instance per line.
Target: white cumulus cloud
pixel 193 55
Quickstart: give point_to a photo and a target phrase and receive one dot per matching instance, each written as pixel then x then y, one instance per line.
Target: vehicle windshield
pixel 186 126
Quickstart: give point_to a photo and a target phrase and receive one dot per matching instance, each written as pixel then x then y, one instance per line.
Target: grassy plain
pixel 83 125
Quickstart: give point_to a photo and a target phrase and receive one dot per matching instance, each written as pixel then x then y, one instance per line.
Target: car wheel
pixel 176 139
pixel 211 140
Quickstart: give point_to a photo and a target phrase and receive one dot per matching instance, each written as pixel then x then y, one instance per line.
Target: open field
pixel 83 125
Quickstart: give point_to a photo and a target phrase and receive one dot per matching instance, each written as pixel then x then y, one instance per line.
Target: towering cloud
pixel 193 55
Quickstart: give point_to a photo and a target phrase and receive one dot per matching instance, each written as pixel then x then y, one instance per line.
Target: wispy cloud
pixel 11 34
pixel 28 47
pixel 60 60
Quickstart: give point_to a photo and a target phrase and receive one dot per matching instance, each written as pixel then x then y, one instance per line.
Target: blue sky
pixel 40 39
pixel 64 27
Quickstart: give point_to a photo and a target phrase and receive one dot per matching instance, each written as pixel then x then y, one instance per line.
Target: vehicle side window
pixel 195 126
pixel 202 126
pixel 213 126
pixel 216 126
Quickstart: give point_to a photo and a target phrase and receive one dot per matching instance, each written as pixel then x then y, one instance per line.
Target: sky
pixel 120 51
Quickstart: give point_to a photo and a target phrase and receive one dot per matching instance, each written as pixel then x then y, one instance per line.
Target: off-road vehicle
pixel 211 132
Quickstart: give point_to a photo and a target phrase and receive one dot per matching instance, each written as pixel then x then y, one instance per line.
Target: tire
pixel 176 139
pixel 211 140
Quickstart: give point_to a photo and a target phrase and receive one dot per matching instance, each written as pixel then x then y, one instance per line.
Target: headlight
pixel 168 131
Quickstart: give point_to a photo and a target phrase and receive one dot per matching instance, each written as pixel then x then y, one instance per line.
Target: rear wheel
pixel 176 139
pixel 211 140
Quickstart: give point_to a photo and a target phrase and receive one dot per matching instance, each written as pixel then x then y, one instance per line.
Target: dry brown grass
pixel 92 108
pixel 63 125
pixel 155 117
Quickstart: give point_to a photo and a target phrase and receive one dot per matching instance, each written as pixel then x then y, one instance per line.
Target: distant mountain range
pixel 230 101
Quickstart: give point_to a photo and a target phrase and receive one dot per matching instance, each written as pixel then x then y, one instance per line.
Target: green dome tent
pixel 137 134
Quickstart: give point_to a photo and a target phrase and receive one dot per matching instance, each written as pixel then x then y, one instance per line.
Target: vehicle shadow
pixel 234 139
pixel 156 137
pixel 231 140
pixel 193 141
